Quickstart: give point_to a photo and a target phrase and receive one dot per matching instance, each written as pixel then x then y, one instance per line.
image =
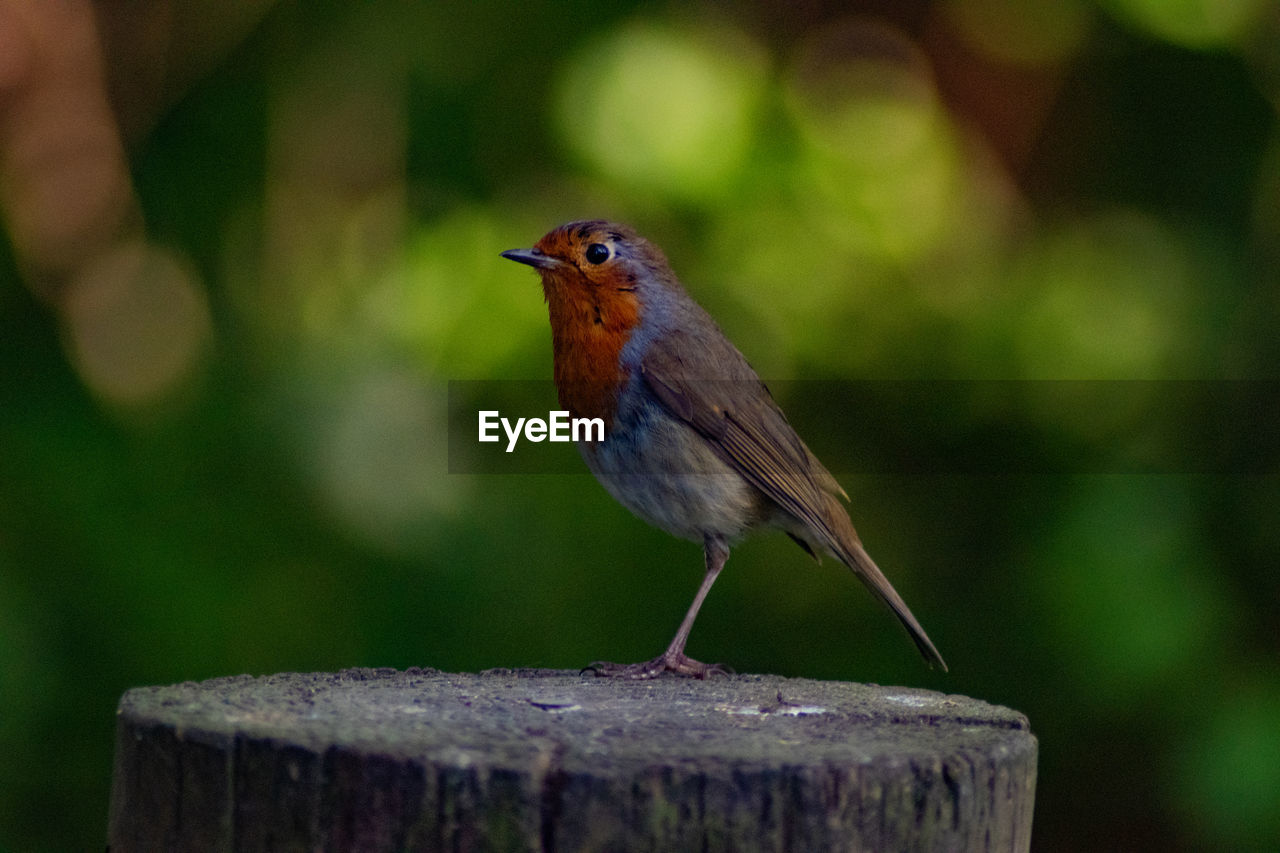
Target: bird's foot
pixel 680 664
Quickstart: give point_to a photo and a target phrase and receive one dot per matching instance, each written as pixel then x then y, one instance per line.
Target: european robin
pixel 694 443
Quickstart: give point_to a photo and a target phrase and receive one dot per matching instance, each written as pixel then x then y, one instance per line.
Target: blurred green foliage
pixel 977 188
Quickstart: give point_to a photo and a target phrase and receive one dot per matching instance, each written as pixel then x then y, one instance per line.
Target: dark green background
pixel 971 190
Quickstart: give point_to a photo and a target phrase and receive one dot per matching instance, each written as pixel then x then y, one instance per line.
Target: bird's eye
pixel 597 253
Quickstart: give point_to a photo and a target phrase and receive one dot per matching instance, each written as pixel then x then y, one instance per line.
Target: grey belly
pixel 649 465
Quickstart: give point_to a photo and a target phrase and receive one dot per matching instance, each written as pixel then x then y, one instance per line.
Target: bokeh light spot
pixel 754 257
pixel 671 110
pixel 1193 23
pixel 1040 33
pixel 863 89
pixel 1229 771
pixel 382 456
pixel 1128 586
pixel 456 302
pixel 879 149
pixel 137 324
pixel 1105 300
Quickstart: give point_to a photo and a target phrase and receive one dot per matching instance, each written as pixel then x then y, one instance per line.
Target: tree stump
pixel 381 760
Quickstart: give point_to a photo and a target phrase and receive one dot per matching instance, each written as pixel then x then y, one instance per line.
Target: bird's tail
pixel 848 549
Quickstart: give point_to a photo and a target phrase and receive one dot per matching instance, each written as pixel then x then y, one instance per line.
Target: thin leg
pixel 715 553
pixel 674 659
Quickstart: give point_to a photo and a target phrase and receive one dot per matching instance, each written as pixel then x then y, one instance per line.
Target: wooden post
pixel 380 760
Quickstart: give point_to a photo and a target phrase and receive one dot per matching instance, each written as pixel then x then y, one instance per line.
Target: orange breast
pixel 589 327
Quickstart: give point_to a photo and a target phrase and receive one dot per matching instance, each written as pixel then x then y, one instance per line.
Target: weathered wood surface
pixel 380 760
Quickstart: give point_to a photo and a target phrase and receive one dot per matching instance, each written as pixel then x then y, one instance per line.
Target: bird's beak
pixel 533 257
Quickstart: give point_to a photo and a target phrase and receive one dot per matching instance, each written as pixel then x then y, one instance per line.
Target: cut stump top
pixel 568 751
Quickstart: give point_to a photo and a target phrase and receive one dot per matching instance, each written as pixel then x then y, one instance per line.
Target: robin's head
pixel 602 261
pixel 601 281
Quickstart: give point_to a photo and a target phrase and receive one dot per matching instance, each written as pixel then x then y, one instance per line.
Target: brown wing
pixel 740 420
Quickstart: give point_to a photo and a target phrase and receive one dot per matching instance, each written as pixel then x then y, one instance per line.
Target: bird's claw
pixel 679 664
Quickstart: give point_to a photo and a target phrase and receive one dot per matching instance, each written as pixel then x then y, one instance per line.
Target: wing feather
pixel 740 420
pixel 744 425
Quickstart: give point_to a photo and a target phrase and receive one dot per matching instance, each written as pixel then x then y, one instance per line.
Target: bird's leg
pixel 674 659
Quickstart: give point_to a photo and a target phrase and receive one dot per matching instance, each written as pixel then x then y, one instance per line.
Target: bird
pixel 694 443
